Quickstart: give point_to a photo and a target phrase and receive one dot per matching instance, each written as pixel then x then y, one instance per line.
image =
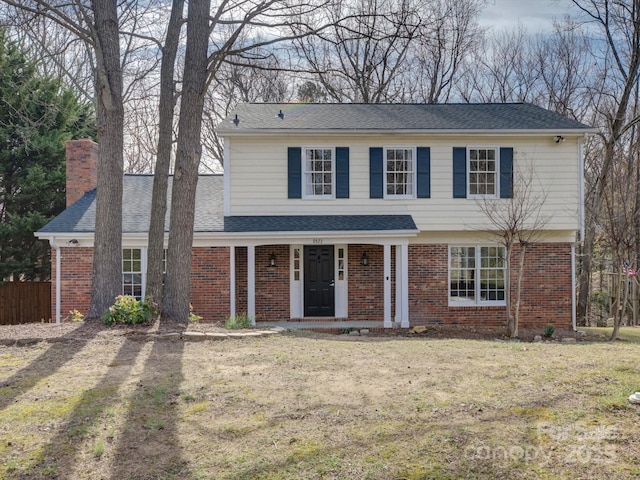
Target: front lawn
pixel 310 406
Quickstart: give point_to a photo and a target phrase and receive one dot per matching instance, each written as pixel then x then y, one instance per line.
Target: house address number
pixel 317 241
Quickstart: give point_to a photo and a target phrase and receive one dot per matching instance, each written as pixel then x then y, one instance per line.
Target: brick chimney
pixel 82 168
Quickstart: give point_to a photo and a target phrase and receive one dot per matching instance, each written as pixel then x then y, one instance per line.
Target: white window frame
pixel 413 172
pixel 496 193
pixel 477 301
pixel 306 172
pixel 142 272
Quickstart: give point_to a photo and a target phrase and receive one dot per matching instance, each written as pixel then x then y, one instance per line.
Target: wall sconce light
pixel 272 260
pixel 558 139
pixel 236 120
pixel 364 261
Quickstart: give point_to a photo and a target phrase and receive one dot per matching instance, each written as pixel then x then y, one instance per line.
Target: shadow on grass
pixel 52 359
pixel 149 445
pixel 57 459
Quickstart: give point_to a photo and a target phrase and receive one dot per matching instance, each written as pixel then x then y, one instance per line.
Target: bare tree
pixel 166 106
pixel 224 28
pixel 362 57
pixel 516 222
pixel 619 24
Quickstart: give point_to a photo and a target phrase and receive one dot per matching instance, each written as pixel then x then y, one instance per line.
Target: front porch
pixel 322 283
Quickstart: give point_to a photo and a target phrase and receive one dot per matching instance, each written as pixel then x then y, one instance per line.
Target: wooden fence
pixel 25 302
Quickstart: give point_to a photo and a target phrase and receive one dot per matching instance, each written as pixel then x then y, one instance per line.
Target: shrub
pixel 242 320
pixel 193 318
pixel 76 316
pixel 128 311
pixel 548 331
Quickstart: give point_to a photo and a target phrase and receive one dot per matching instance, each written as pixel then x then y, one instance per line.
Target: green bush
pixel 128 311
pixel 242 320
pixel 548 331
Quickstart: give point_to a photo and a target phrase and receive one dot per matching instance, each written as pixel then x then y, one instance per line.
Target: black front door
pixel 319 297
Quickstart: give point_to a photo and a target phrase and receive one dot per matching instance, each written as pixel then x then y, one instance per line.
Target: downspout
pixel 58 281
pixel 573 287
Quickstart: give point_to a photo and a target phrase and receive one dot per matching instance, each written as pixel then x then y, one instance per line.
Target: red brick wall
pixel 366 288
pixel 210 283
pixel 75 280
pixel 546 289
pixel 272 284
pixel 241 280
pixel 82 165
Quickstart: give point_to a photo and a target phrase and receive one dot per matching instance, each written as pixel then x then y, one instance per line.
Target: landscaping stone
pixel 194 336
pixel 364 331
pixel 537 338
pixel 568 340
pixel 354 333
pixel 418 329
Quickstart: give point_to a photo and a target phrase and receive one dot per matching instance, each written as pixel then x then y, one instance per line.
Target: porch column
pixel 398 314
pixel 251 283
pixel 232 281
pixel 404 323
pixel 387 285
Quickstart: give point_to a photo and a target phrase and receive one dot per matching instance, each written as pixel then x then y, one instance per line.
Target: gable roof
pixel 350 117
pixel 136 207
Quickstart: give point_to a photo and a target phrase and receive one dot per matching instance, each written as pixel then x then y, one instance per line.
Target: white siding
pixel 259 180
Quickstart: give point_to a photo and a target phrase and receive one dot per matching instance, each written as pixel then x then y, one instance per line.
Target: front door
pixel 319 282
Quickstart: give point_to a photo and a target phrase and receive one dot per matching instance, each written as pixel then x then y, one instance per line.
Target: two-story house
pixel 356 212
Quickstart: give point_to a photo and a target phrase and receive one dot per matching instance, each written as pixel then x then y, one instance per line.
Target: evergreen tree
pixel 37 116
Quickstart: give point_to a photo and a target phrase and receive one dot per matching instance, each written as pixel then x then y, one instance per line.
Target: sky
pixel 535 15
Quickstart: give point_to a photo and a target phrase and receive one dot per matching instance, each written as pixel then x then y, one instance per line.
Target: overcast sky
pixel 535 15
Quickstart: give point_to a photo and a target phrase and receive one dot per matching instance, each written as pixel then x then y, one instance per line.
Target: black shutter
pixel 342 172
pixel 295 172
pixel 424 172
pixel 376 173
pixel 506 172
pixel 459 172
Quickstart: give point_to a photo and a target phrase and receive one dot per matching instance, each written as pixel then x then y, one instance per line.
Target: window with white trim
pixel 399 170
pixel 132 272
pixel 318 172
pixel 482 172
pixel 477 275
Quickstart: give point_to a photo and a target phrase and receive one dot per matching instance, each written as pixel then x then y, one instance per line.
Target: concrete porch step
pixel 322 325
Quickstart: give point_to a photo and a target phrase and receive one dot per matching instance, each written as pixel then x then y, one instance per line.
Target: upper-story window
pixel 399 172
pixel 483 172
pixel 319 172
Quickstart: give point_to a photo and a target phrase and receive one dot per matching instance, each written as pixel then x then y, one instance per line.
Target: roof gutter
pixel 231 132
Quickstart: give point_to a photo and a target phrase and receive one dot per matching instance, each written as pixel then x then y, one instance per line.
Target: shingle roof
pixel 434 117
pixel 319 223
pixel 136 205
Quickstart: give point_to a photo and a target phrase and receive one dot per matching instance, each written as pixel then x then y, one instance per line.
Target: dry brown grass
pixel 311 406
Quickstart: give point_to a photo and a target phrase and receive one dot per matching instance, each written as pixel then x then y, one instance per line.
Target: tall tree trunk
pixel 512 331
pixel 185 179
pixel 107 261
pixel 584 279
pixel 163 161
